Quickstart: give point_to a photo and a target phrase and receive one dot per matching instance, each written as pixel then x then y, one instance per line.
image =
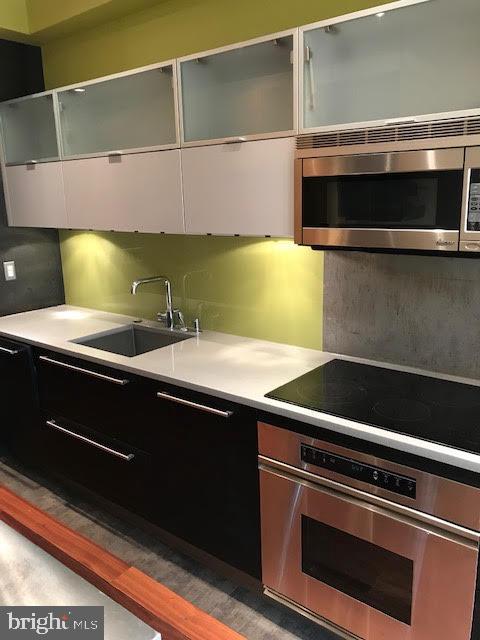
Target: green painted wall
pixel 177 27
pixel 268 289
pixel 261 288
pixel 13 19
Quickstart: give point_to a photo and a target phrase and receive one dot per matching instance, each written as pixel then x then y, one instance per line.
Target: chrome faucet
pixel 168 317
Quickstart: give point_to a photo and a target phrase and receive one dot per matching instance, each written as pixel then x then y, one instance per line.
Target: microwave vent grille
pixel 392 133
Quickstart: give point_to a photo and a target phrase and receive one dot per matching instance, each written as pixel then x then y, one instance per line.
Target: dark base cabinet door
pixel 18 397
pixel 102 399
pixel 209 465
pixel 110 468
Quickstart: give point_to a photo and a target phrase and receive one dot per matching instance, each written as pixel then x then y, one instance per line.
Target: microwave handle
pixel 379 163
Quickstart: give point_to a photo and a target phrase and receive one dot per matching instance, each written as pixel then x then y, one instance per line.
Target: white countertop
pixel 231 367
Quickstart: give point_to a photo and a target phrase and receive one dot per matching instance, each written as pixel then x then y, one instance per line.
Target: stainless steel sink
pixel 132 340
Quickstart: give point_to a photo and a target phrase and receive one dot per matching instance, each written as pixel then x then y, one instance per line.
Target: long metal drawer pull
pixel 11 352
pixel 113 452
pixel 94 374
pixel 195 405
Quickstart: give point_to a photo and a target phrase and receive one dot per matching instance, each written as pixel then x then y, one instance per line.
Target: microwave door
pixel 470 228
pixel 404 200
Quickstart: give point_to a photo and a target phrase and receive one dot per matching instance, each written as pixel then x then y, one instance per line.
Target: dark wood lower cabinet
pixel 18 398
pixel 185 461
pixel 111 468
pixel 209 462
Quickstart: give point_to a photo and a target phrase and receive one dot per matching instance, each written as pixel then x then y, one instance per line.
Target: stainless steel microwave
pixel 414 200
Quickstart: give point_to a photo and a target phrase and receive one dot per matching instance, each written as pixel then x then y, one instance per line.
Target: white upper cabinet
pixel 34 195
pixel 244 91
pixel 29 131
pixel 132 192
pixel 414 60
pixel 125 112
pixel 244 188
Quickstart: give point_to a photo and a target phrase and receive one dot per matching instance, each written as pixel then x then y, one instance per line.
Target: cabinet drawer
pixel 108 467
pixel 102 399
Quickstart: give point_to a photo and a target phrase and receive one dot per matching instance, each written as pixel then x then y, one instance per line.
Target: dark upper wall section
pixel 21 71
pixel 35 251
pixel 414 310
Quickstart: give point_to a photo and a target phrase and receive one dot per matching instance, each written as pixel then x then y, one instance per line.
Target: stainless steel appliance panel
pixel 413 239
pixel 440 497
pixel 384 577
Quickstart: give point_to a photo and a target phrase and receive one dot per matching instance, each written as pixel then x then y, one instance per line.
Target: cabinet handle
pixel 236 140
pixel 11 352
pixel 194 405
pixel 77 436
pixel 87 372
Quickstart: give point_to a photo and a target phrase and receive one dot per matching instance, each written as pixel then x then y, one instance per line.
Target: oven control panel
pixel 351 468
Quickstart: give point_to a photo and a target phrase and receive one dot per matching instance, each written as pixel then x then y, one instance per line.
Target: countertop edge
pixel 408 444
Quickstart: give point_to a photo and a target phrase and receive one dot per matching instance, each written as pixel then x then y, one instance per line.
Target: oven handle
pixel 400 512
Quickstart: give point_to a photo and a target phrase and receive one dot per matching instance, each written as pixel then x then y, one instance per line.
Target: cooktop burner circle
pixel 402 410
pixel 330 392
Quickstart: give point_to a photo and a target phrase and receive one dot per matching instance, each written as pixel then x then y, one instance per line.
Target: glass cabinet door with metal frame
pixel 416 60
pixel 126 112
pixel 28 130
pixel 240 92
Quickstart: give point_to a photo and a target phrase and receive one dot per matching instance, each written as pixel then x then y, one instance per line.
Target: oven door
pixel 403 200
pixel 370 571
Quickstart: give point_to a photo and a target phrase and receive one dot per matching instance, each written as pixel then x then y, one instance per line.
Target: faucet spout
pixel 168 316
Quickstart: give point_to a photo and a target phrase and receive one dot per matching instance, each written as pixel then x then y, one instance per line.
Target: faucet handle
pixel 178 315
pixel 166 319
pixel 196 325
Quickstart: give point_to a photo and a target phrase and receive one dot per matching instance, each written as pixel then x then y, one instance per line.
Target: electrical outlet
pixel 9 270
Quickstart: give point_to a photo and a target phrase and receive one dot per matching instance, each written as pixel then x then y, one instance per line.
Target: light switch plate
pixel 10 271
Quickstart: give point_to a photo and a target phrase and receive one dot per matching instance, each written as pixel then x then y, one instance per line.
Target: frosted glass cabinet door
pixel 35 195
pixel 136 192
pixel 239 92
pixel 132 111
pixel 244 188
pixel 28 130
pixel 417 60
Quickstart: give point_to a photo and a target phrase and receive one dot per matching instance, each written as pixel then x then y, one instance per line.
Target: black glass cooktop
pixel 437 410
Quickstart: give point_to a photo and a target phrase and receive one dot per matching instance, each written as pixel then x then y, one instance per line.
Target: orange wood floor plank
pixel 168 613
pixel 184 616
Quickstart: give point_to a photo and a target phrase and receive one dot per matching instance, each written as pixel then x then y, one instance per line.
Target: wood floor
pixel 174 617
pixel 250 614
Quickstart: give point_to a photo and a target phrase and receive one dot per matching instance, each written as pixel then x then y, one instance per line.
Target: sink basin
pixel 132 340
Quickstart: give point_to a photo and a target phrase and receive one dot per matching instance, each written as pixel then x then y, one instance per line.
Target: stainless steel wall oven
pixel 367 547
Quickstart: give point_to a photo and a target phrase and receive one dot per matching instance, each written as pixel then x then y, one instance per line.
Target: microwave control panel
pixel 351 468
pixel 473 215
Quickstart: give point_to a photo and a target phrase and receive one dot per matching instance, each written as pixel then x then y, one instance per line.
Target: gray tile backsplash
pixel 36 254
pixel 419 311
